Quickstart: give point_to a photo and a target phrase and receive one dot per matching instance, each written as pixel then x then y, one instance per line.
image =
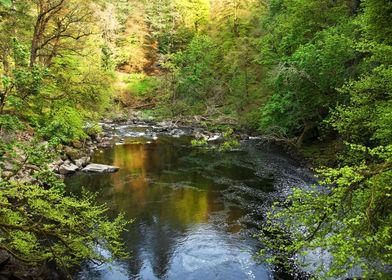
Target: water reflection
pixel 190 209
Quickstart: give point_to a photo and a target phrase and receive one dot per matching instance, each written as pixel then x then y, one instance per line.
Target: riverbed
pixel 195 210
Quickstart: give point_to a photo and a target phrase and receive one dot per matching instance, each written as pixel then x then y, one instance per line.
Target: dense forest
pixel 315 75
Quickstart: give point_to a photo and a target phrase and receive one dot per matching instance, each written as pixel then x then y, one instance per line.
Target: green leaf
pixel 6 3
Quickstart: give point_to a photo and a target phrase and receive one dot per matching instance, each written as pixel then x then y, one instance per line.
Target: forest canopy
pixel 309 73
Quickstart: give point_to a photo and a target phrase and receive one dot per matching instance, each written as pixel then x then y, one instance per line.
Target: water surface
pixel 194 211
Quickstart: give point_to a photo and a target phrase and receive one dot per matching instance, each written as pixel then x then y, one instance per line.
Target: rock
pixel 54 166
pixel 166 124
pixel 215 137
pixel 32 167
pixel 107 126
pixel 7 174
pixel 100 168
pixel 161 129
pixel 68 168
pixel 82 162
pixel 7 166
pixel 24 178
pixel 77 144
pixel 176 132
pixel 73 153
pixel 105 144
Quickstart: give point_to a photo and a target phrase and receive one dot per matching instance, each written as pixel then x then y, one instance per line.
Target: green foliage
pixel 348 216
pixel 92 129
pixel 6 3
pixel 148 114
pixel 174 22
pixel 196 69
pixel 366 117
pixel 10 123
pixel 290 24
pixel 376 20
pixel 305 85
pixel 39 225
pixel 229 142
pixel 65 125
pixel 229 145
pixel 53 82
pixel 141 85
pixel 199 142
pixel 107 58
pixel 205 53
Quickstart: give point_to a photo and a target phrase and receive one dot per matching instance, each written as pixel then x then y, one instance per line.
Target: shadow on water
pixel 194 211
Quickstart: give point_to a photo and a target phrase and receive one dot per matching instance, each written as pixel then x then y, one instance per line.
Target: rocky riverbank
pixel 76 156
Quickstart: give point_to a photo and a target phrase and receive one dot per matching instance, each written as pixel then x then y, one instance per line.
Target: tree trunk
pixel 307 126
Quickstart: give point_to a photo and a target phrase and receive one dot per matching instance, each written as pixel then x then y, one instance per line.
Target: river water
pixel 195 211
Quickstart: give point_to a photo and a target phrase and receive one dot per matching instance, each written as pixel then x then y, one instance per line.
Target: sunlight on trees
pixel 301 71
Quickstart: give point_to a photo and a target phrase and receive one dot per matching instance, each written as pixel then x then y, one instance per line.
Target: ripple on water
pixel 207 253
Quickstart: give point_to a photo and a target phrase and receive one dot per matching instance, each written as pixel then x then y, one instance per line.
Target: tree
pixel 56 23
pixel 349 214
pixel 196 77
pixel 43 225
pixel 52 82
pixel 315 56
pixel 40 223
pixel 54 64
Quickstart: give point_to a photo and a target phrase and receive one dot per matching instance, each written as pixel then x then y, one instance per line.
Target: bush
pixel 10 123
pixel 64 126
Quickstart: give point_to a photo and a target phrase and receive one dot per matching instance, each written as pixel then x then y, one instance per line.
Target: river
pixel 195 211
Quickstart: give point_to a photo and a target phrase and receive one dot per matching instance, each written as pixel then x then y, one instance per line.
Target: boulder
pixel 7 174
pixel 215 137
pixel 77 144
pixel 54 166
pixel 68 168
pixel 82 161
pixel 104 144
pixel 100 168
pixel 73 153
pixel 8 166
pixel 200 135
pixel 176 132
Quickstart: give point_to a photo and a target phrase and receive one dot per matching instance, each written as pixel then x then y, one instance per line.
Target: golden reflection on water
pixel 133 186
pixel 132 159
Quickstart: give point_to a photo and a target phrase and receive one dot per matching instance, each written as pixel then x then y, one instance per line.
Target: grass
pixel 141 85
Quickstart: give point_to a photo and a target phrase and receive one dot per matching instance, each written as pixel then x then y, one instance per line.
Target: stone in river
pixel 82 161
pixel 68 168
pixel 100 168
